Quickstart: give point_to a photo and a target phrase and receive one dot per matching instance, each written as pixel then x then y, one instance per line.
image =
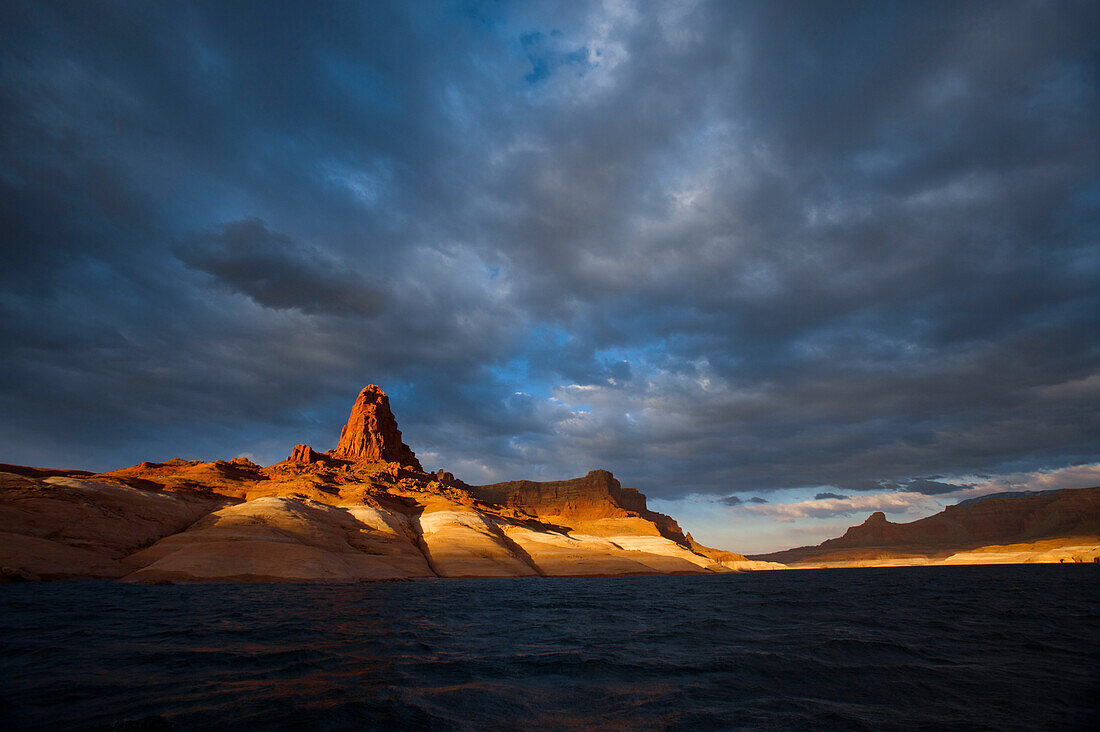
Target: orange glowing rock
pixel 364 511
pixel 304 454
pixel 371 434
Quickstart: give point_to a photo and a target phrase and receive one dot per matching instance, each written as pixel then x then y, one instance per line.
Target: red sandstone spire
pixel 371 433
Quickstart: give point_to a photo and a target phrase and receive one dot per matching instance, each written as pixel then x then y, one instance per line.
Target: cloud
pixel 717 250
pixel 915 499
pixel 869 485
pixel 737 501
pixel 278 272
pixel 821 508
pixel 932 487
pixel 1073 476
pixel 547 54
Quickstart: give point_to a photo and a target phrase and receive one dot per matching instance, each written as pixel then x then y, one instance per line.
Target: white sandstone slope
pixel 285 539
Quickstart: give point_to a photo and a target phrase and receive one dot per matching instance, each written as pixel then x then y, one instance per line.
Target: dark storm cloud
pixel 869 485
pixel 925 486
pixel 736 501
pixel 932 487
pixel 823 496
pixel 715 248
pixel 278 272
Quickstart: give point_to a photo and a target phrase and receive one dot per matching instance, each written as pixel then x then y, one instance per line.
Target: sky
pixel 776 265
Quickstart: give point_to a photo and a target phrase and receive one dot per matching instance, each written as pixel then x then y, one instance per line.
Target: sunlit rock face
pixel 286 539
pixel 1048 527
pixel 371 433
pixel 304 454
pixel 364 511
pixel 595 496
pixel 597 501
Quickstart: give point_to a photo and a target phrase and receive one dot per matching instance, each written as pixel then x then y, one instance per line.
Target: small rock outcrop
pixel 371 434
pixel 304 454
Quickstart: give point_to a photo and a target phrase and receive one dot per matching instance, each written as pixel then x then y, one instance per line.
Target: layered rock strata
pixel 363 511
pixel 371 434
pixel 597 501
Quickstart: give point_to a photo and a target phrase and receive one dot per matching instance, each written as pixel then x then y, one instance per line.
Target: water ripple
pixel 904 649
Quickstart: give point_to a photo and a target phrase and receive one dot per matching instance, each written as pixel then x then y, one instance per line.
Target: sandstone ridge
pixel 365 510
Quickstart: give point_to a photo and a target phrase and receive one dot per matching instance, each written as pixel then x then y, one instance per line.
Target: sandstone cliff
pixel 365 510
pixel 597 500
pixel 1041 527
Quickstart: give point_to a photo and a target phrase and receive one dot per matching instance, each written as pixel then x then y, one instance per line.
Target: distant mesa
pixel 1006 494
pixel 1033 526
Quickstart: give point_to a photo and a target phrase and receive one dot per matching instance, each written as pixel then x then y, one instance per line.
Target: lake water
pixel 1000 647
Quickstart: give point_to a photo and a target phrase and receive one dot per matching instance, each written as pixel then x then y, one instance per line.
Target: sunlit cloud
pixel 831 507
pixel 1074 476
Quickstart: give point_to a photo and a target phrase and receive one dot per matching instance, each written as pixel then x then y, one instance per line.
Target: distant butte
pixel 1054 526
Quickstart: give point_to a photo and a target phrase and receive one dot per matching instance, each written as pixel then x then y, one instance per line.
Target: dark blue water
pixel 1009 647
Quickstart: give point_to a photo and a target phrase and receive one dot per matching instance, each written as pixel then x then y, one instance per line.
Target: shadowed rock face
pixel 68 527
pixel 1017 520
pixel 371 433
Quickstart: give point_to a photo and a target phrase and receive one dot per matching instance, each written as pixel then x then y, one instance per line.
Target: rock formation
pixel 368 511
pixel 69 527
pixel 594 499
pixel 304 454
pixel 1008 527
pixel 363 511
pixel 371 434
